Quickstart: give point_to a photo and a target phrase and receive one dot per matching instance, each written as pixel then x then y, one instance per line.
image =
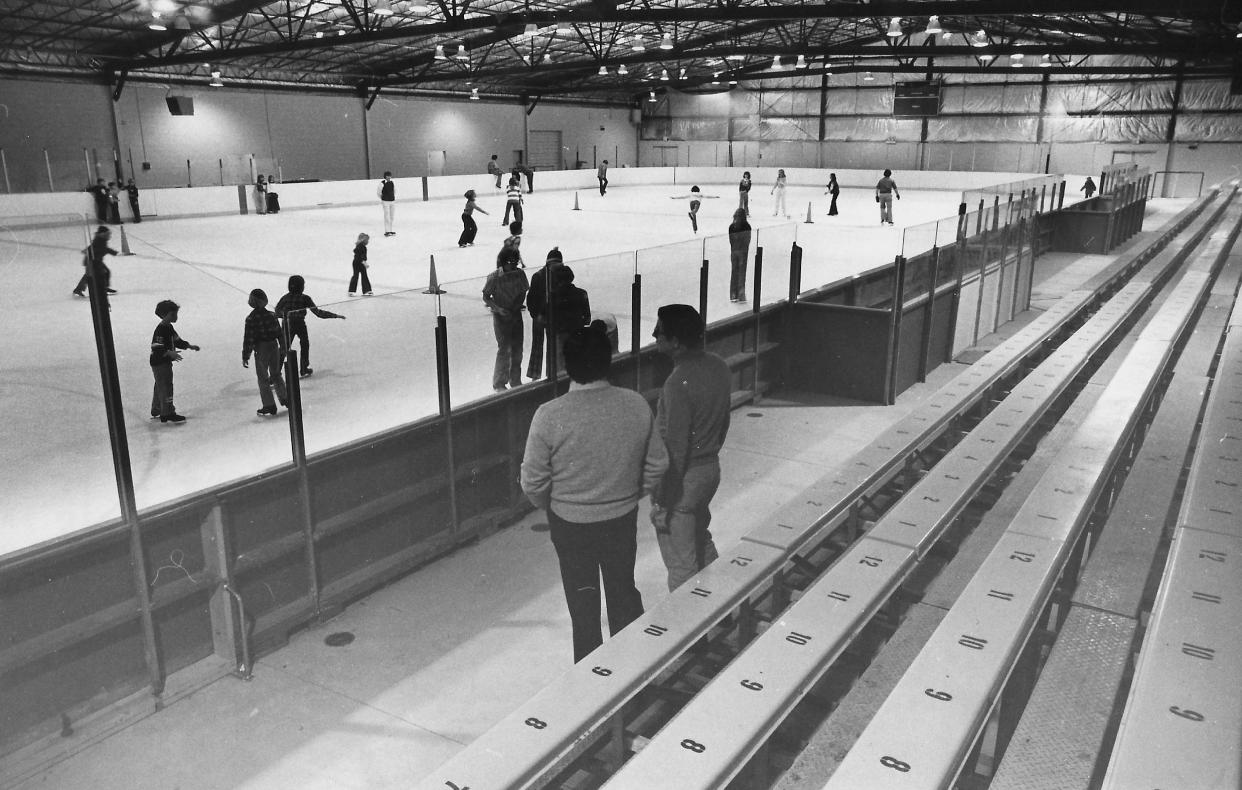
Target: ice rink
pixel 373 371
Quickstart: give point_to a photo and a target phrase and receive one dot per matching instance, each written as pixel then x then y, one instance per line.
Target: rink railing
pixel 155 591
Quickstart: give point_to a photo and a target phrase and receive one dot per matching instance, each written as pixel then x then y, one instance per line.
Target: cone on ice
pixel 576 202
pixel 433 287
pixel 809 221
pixel 124 242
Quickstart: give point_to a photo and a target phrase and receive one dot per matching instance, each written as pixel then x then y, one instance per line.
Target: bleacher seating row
pixel 569 715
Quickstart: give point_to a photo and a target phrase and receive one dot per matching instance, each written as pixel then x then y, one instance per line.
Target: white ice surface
pixel 374 370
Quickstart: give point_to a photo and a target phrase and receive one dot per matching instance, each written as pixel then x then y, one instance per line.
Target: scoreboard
pixel 916 99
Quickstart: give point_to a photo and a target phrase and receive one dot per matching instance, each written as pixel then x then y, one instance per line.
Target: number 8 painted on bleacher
pixel 895 764
pixel 693 746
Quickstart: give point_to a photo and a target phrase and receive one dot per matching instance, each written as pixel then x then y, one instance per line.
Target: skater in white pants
pixel 778 189
pixel 387 193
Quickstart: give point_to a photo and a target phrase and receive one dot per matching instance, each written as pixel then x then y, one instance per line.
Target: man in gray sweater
pixel 591 455
pixel 693 418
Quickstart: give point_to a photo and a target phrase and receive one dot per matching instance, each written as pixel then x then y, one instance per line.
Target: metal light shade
pixel 801 64
pixel 382 8
pixel 664 75
pixel 894 28
pixel 667 41
pixel 603 71
pixel 933 26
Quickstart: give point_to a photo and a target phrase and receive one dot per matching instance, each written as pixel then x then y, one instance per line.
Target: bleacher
pixel 846 548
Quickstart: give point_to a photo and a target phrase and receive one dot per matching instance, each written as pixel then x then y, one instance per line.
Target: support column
pixel 1171 133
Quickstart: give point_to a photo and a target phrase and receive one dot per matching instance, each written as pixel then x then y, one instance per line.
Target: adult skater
pixel 590 456
pixel 493 169
pixel 743 193
pixel 291 310
pixel 360 267
pixel 739 251
pixel 1088 188
pixel 387 193
pixel 537 305
pixel 469 228
pixel 693 419
pixel 262 336
pixel 695 197
pixel 885 188
pixel 165 343
pixel 100 194
pixel 93 262
pixel 602 175
pixel 833 189
pixel 530 178
pixel 260 194
pixel 504 294
pixel 132 189
pixel 513 201
pixel 778 189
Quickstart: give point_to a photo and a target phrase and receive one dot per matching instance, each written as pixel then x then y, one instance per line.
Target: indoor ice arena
pixel 855 403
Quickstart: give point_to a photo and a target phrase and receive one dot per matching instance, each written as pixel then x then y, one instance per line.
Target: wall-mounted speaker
pixel 180 105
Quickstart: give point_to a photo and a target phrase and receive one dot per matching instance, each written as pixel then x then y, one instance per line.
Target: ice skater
pixel 778 189
pixel 739 250
pixel 1088 188
pixel 291 310
pixel 602 175
pixel 360 267
pixel 262 336
pixel 93 262
pixel 833 189
pixel 694 197
pixel 513 201
pixel 469 228
pixel 387 193
pixel 165 343
pixel 885 188
pixel 743 193
pixel 493 169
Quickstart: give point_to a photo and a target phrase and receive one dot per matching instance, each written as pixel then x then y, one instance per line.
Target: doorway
pixel 545 151
pixel 435 162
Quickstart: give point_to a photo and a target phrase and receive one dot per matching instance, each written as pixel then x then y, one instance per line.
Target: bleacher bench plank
pixel 1214 490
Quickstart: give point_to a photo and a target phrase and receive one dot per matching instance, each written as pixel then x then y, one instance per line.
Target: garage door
pixel 545 151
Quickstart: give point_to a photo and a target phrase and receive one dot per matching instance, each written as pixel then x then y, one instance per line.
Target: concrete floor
pixel 444 653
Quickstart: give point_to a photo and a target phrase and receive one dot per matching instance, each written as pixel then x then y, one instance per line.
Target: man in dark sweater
pixel 693 419
pixel 165 343
pixel 263 338
pixel 537 306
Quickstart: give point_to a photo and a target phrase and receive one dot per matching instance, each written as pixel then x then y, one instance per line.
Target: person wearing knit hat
pixel 262 336
pixel 165 343
pixel 291 310
pixel 537 306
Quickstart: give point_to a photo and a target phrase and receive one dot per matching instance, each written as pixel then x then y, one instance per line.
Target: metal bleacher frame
pixel 587 705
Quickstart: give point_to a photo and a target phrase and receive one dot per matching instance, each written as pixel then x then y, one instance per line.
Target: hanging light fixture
pixel 735 56
pixel 1016 60
pixel 664 75
pixel 216 82
pixel 531 30
pixel 462 52
pixel 651 96
pixel 340 32
pixel 979 39
pixel 638 44
pixel 474 94
pixel 562 28
pixel 547 57
pixel 801 64
pixel 603 71
pixel 1045 61
pixel 933 25
pixel 667 41
pixel 419 7
pixel 440 52
pixel 776 63
pixel 894 28
pixel 868 77
pixel 318 34
pixel 683 73
pixel 622 70
pixel 986 56
pixel 732 81
pixel 382 8
pixel 156 22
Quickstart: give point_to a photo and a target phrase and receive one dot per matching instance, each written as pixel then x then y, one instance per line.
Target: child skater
pixel 94 261
pixel 360 267
pixel 833 189
pixel 263 338
pixel 469 229
pixel 743 193
pixel 513 201
pixel 694 197
pixel 165 343
pixel 778 189
pixel 291 309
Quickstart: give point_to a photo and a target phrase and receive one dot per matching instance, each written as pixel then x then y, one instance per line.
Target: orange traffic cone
pixel 809 221
pixel 576 202
pixel 124 242
pixel 434 286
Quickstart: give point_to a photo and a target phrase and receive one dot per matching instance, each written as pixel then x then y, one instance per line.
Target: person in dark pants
pixel 100 193
pixel 602 175
pixel 1088 188
pixel 513 201
pixel 530 178
pixel 93 260
pixel 743 193
pixel 739 251
pixel 132 189
pixel 570 307
pixel 468 226
pixel 262 336
pixel 693 419
pixel 387 193
pixel 114 203
pixel 885 189
pixel 503 293
pixel 291 309
pixel 165 343
pixel 590 456
pixel 537 306
pixel 833 189
pixel 493 168
pixel 360 267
